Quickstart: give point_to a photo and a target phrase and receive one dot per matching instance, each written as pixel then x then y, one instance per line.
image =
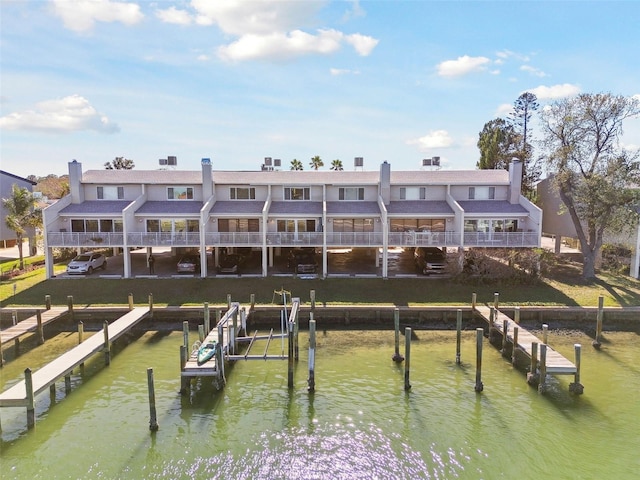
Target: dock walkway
pixel 556 363
pixel 30 324
pixel 46 376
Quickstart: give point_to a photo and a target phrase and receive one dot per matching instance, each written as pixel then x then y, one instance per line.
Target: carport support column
pixel 126 257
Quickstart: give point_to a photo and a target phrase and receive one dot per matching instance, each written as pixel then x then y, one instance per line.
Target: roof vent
pixel 358 162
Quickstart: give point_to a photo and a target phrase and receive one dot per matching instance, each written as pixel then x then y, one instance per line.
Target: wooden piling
pixel 496 300
pixel 312 296
pixel 40 330
pixel 201 333
pixel 233 337
pixel 47 302
pixel 207 318
pixel 479 337
pixel 107 346
pixel 228 301
pixel 131 301
pixel 1 356
pixel 311 382
pixel 290 358
pixel 151 306
pixel 67 384
pixel 218 315
pixel 545 334
pixel 532 376
pixel 70 307
pixel 184 381
pixel 514 347
pixel 474 300
pixel 252 299
pixel 458 334
pixel 576 387
pixel 596 343
pixel 492 316
pixel 185 334
pixel 296 346
pixel 505 336
pixel 407 354
pixel 542 384
pixel 31 407
pixel 396 324
pixel 153 419
pixel 80 332
pixel 52 393
pixel 516 314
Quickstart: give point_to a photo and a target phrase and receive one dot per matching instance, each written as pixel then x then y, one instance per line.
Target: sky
pixel 238 81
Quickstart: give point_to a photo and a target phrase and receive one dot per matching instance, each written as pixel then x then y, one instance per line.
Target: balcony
pixel 85 239
pixel 230 239
pixel 501 239
pixel 166 239
pixel 286 239
pixel 355 239
pixel 422 239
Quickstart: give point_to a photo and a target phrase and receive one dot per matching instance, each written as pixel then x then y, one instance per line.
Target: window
pixel 413 193
pixel 102 225
pixel 296 226
pixel 482 193
pixel 238 225
pixel 166 225
pixel 297 193
pixel 242 193
pixel 351 193
pixel 417 225
pixel 180 193
pixel 353 225
pixel 110 193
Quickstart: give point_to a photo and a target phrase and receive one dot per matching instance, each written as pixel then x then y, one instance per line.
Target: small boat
pixel 206 352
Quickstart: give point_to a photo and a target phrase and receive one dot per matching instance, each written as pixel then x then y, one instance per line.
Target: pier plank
pixel 556 362
pixel 16 396
pixel 29 325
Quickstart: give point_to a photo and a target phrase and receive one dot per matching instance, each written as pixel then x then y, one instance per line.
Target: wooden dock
pixel 30 325
pixel 556 363
pixel 19 396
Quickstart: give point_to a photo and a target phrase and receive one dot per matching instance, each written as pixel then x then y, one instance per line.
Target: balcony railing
pixel 85 239
pixel 167 239
pixel 286 239
pixel 355 239
pixel 421 239
pixel 233 238
pixel 501 239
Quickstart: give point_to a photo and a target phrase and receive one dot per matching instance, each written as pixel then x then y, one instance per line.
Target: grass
pixel 564 287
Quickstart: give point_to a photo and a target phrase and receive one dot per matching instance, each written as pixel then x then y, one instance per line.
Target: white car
pixel 86 263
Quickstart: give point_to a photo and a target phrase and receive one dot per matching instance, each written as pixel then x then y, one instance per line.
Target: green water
pixel 359 424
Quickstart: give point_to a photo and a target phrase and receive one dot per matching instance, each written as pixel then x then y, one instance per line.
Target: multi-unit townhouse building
pixel 273 211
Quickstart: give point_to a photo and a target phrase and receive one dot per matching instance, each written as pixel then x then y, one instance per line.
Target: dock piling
pixel 479 336
pixel 252 299
pixel 31 408
pixel 40 330
pixel 290 357
pixel 514 348
pixel 70 306
pixel 407 353
pixel 474 300
pixel 542 384
pixel 67 384
pixel 207 318
pixel 80 332
pixel 107 346
pixel 576 387
pixel 505 336
pixel 516 314
pixel 596 343
pixel 496 300
pixel 312 355
pixel 545 334
pixel 396 323
pixel 130 301
pixel 532 376
pixel 151 306
pixel 312 296
pixel 201 333
pixel 153 419
pixel 47 302
pixel 458 334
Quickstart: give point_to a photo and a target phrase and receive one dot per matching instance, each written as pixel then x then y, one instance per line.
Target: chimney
pixel 515 180
pixel 75 182
pixel 207 179
pixel 385 182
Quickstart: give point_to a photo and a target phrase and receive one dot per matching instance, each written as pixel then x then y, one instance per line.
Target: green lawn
pixel 565 287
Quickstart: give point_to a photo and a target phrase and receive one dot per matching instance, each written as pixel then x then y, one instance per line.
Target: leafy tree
pixel 337 165
pixel 592 173
pixel 119 163
pixel 296 165
pixel 497 143
pixel 53 186
pixel 316 162
pixel 22 214
pixel 520 119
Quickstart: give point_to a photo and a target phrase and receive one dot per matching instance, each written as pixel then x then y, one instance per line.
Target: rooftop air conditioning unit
pixel 426 162
pixel 435 161
pixel 172 161
pixel 162 161
pixel 277 162
pixel 267 161
pixel 358 162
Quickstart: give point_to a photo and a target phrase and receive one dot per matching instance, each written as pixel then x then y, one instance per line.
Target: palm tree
pixel 22 213
pixel 336 165
pixel 296 165
pixel 316 162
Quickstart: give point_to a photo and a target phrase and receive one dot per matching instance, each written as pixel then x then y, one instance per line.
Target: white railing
pixel 85 239
pixel 233 238
pixel 294 239
pixel 154 239
pixel 421 239
pixel 353 239
pixel 501 239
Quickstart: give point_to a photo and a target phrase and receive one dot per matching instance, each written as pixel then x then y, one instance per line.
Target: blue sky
pixel 237 81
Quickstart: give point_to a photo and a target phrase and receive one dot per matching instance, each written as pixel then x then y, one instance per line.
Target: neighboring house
pixel 8 236
pixel 557 222
pixel 273 211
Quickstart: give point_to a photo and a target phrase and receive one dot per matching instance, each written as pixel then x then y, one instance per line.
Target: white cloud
pixel 533 71
pixel 81 15
pixel 239 17
pixel 462 66
pixel 555 91
pixel 343 71
pixel 175 16
pixel 68 114
pixel 504 109
pixel 363 44
pixel 283 46
pixel 433 139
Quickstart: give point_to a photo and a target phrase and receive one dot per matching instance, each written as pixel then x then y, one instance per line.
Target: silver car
pixel 86 263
